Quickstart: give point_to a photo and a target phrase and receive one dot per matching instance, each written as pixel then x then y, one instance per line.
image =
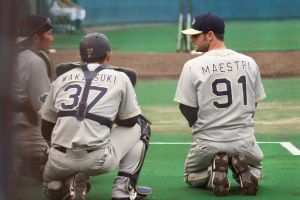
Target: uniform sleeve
pixel 48 110
pixel 129 106
pixel 19 85
pixel 259 88
pixel 185 92
pixel 39 83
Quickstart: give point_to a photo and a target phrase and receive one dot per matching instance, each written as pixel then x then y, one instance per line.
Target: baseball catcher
pixel 94 124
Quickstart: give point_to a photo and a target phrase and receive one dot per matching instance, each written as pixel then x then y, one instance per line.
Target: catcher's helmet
pixel 93 46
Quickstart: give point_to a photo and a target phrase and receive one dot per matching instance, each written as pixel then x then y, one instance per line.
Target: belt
pixel 64 150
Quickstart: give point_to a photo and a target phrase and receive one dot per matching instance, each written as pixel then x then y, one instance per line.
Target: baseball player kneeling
pixel 217 93
pixel 77 121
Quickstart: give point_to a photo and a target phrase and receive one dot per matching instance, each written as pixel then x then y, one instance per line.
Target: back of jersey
pixel 110 95
pixel 225 86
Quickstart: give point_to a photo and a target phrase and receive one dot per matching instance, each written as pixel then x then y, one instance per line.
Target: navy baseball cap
pixel 205 23
pixel 32 24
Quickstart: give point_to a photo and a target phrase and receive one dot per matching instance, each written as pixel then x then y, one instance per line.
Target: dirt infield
pixel 169 65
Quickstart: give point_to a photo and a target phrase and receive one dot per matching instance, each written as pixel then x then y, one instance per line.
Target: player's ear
pixel 211 35
pixel 36 40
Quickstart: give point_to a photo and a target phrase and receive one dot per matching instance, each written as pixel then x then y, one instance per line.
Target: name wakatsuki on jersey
pixel 100 77
pixel 226 67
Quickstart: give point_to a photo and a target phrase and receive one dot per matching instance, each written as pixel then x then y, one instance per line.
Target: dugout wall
pixel 108 12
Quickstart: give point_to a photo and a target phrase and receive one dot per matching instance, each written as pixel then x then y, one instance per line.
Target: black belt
pixel 101 120
pixel 64 150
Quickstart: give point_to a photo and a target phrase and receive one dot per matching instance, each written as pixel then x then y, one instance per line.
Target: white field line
pixel 291 148
pixel 287 145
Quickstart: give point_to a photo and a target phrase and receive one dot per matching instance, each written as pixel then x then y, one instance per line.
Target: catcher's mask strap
pixel 89 76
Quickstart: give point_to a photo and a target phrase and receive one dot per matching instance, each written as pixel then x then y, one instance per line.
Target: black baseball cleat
pixel 220 182
pixel 78 189
pixel 243 175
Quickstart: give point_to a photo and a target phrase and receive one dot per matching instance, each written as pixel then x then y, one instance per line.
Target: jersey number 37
pixel 77 92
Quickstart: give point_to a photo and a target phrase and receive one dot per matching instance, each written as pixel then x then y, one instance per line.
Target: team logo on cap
pixel 194 21
pixel 89 52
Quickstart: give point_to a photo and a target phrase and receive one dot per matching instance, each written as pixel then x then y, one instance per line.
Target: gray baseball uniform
pixel 30 87
pixel 93 148
pixel 31 83
pixel 225 86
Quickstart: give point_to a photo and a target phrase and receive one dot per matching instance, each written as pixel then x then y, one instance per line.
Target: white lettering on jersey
pixel 100 77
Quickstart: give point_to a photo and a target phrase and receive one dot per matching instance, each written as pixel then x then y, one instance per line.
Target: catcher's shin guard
pixel 78 186
pixel 138 192
pixel 145 130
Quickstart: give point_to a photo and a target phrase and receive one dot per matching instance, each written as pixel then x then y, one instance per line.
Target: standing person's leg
pixel 72 14
pixel 80 16
pixel 31 152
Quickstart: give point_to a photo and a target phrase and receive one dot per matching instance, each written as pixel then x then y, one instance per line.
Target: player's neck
pixel 217 45
pixel 34 48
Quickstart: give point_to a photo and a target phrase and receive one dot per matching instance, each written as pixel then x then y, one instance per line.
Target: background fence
pixel 251 25
pixel 136 11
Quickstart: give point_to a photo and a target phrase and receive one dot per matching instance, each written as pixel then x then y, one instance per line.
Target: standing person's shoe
pixel 220 182
pixel 78 186
pixel 243 175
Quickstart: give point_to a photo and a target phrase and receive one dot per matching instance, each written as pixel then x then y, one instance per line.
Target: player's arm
pixel 190 113
pixel 129 109
pixel 26 108
pixel 47 128
pixel 48 115
pixel 186 95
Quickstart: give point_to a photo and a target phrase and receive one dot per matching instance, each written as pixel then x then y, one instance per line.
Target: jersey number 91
pixel 228 91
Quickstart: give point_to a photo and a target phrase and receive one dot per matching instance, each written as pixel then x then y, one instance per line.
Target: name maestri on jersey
pixel 100 77
pixel 226 67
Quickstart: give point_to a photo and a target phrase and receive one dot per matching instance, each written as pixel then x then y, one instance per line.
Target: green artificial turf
pixel 277 120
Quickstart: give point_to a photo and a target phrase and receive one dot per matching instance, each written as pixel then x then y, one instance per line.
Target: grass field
pixel 240 35
pixel 277 120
